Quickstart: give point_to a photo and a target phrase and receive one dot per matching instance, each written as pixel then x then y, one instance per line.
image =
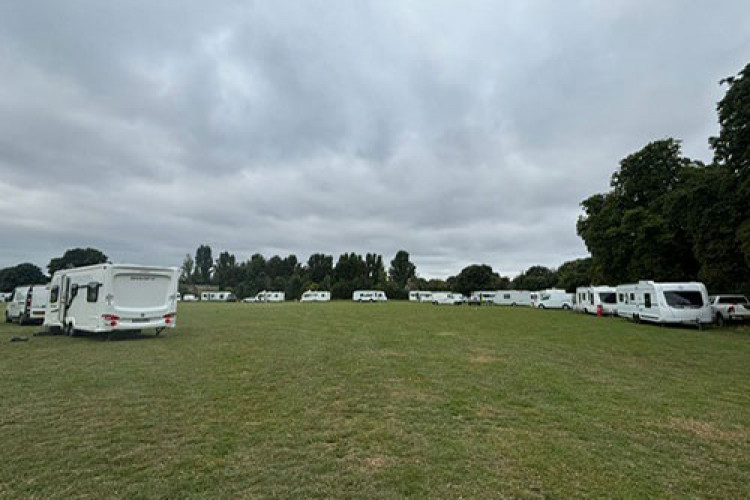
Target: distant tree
pixel 535 278
pixel 186 276
pixel 226 271
pixel 574 273
pixel 22 274
pixel 203 264
pixel 477 277
pixel 401 269
pixel 376 276
pixel 76 257
pixel 320 267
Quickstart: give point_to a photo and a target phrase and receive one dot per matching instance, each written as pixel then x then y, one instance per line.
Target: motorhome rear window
pixel 608 297
pixel 684 298
pixel 647 300
pixel 735 299
pixel 92 293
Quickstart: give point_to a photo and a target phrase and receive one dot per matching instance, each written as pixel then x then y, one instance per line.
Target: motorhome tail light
pixel 112 319
pixel 169 318
pixel 731 309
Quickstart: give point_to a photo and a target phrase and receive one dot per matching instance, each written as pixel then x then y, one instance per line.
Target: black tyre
pixel 541 306
pixel 69 330
pixel 566 307
pixel 720 320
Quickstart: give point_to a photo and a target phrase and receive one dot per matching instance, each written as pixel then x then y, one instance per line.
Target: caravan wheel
pixel 566 307
pixel 69 330
pixel 720 320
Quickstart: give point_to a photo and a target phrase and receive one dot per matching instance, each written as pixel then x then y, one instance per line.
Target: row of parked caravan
pixel 664 303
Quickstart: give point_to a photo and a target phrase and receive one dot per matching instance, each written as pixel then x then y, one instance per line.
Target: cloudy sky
pixel 464 132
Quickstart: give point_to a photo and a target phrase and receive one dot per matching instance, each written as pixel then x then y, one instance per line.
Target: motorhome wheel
pixel 69 330
pixel 566 307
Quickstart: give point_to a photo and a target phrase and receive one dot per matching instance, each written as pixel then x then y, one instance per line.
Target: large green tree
pixel 76 257
pixel 477 277
pixel 574 273
pixel 203 263
pixel 402 269
pixel 535 278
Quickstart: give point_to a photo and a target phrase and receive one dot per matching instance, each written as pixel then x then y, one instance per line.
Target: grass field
pixel 348 400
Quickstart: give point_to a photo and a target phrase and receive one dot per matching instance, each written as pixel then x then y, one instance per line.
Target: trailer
pixel 27 304
pixel 218 297
pixel 266 296
pixel 369 296
pixel 665 303
pixel 106 298
pixel 481 297
pixel 596 300
pixel 315 296
pixel 420 296
pixel 513 298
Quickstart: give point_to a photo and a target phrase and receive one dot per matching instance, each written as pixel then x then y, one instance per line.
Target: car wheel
pixel 720 320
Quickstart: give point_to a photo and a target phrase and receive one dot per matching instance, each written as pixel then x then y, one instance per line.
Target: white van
pixel 27 304
pixel 554 298
pixel 315 296
pixel 106 298
pixel 218 297
pixel 448 298
pixel 483 297
pixel 420 296
pixel 665 303
pixel 513 298
pixel 369 296
pixel 590 298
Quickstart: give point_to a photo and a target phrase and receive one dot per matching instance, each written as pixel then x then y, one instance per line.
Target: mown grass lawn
pixel 348 400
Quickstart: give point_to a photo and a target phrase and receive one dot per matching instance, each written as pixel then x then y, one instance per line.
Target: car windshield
pixel 684 298
pixel 608 297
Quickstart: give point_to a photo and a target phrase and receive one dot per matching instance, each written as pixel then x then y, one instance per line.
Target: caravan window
pixel 647 300
pixel 738 299
pixel 506 296
pixel 632 297
pixel 54 294
pixel 92 294
pixel 608 297
pixel 621 297
pixel 684 298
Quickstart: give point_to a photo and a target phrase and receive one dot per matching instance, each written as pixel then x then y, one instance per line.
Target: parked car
pixel 448 298
pixel 726 308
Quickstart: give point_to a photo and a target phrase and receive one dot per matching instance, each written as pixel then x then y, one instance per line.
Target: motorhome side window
pixel 647 300
pixel 92 294
pixel 54 294
pixel 632 297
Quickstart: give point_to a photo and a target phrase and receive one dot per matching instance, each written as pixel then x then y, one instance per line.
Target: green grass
pixel 348 400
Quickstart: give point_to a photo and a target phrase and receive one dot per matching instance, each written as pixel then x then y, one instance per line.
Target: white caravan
pixel 665 303
pixel 554 298
pixel 483 297
pixel 513 298
pixel 420 296
pixel 265 296
pixel 27 304
pixel 369 296
pixel 315 296
pixel 448 298
pixel 106 298
pixel 218 297
pixel 590 298
pixel 189 297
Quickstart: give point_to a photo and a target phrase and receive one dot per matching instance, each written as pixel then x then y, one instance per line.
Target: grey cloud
pixel 463 134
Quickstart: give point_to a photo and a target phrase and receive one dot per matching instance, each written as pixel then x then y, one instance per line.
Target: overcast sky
pixel 464 132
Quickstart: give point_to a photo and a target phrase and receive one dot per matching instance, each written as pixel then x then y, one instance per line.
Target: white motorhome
pixel 554 298
pixel 27 304
pixel 448 298
pixel 665 303
pixel 420 296
pixel 218 297
pixel 590 299
pixel 513 298
pixel 315 296
pixel 369 296
pixel 106 298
